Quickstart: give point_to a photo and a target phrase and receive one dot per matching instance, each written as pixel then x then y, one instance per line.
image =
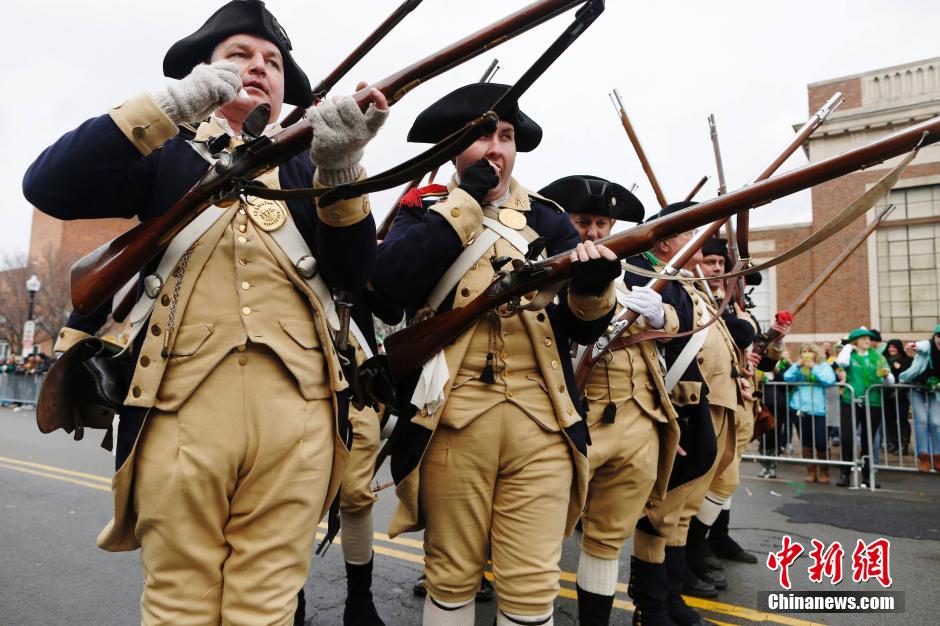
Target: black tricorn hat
pixel 671 208
pixel 716 245
pixel 466 103
pixel 594 195
pixel 239 16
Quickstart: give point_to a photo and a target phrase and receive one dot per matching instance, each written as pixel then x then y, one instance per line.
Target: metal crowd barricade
pixel 783 444
pixel 20 388
pixel 892 439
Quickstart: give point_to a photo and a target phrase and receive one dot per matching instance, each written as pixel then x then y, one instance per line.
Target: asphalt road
pixel 54 498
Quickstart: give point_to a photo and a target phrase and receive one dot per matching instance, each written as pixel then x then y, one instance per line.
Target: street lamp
pixel 29 328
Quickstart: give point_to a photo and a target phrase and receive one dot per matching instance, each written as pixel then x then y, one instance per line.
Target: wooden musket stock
pixel 97 276
pixel 410 348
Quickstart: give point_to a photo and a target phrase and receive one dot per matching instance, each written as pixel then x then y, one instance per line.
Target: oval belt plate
pixel 267 214
pixel 512 218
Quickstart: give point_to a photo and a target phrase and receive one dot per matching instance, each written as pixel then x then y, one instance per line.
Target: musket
pixel 723 189
pixel 638 147
pixel 325 85
pixel 408 349
pixel 625 318
pixel 98 275
pixel 382 231
pixel 696 189
pixel 808 128
pixel 771 335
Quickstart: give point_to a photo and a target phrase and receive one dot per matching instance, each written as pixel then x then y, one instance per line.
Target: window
pixel 762 298
pixel 908 261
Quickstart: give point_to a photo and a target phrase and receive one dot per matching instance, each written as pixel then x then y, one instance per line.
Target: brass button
pixel 243 261
pixel 693 397
pixel 155 330
pixel 508 394
pixel 144 361
pixel 243 360
pixel 242 228
pixel 570 410
pixel 242 240
pixel 700 360
pixel 561 388
pixel 165 300
pixel 455 212
pixel 548 342
pixel 62 335
pixel 465 292
pixel 241 348
pixel 540 317
pixel 246 310
pixel 245 285
pixel 554 365
pixel 136 391
pixel 504 355
pixel 241 211
pixel 139 132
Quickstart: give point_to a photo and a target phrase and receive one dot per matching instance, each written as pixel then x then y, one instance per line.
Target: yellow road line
pixel 57 470
pixel 714 621
pixel 26 470
pixel 707 605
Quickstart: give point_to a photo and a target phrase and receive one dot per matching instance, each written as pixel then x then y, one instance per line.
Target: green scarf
pixel 862 373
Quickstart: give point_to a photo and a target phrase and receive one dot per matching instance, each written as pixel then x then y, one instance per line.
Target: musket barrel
pixel 638 148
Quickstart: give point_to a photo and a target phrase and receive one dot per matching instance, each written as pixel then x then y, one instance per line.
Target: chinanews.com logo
pixel 868 561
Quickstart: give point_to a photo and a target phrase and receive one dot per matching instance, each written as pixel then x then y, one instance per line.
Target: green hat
pixel 936 330
pixel 860 332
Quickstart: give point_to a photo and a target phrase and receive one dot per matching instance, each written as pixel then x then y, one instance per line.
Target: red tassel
pixel 413 196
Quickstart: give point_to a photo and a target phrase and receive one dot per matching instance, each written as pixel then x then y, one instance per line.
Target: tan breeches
pixel 228 492
pixel 497 488
pixel 727 481
pixel 356 495
pixel 671 516
pixel 623 461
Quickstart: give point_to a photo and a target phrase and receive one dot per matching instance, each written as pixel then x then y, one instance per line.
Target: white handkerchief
pixel 429 392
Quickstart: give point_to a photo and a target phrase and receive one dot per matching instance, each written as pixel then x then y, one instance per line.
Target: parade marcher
pixel 704 387
pixel 230 447
pixel 863 366
pixel 493 463
pixel 631 421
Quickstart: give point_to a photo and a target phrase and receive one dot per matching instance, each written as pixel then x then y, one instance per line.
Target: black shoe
pixel 692 585
pixel 485 594
pixel 865 478
pixel 679 612
pixel 711 559
pixel 721 543
pixel 648 588
pixel 845 478
pixel 695 549
pixel 593 608
pixel 359 607
pixel 419 589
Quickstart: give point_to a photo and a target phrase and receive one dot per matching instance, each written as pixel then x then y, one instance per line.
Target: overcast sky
pixel 673 62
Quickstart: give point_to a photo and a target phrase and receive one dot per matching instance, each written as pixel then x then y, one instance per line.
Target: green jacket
pixel 861 372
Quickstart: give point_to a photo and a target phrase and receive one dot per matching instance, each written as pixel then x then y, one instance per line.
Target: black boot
pixel 692 585
pixel 845 477
pixel 648 589
pixel 679 611
pixel 593 608
pixel 359 607
pixel 696 547
pixel 721 543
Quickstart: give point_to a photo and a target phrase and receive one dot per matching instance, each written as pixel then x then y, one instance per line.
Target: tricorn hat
pixel 466 103
pixel 716 245
pixel 671 208
pixel 594 195
pixel 239 16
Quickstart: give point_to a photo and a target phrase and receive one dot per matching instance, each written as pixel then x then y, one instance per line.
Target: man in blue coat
pixel 231 445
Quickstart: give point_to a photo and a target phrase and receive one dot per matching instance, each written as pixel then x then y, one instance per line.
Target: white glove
pixel 340 134
pixel 845 355
pixel 206 88
pixel 647 303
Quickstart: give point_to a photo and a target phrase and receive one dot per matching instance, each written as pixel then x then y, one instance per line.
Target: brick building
pixel 892 282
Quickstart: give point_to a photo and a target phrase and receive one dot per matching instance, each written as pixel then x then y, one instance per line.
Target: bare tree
pixel 53 300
